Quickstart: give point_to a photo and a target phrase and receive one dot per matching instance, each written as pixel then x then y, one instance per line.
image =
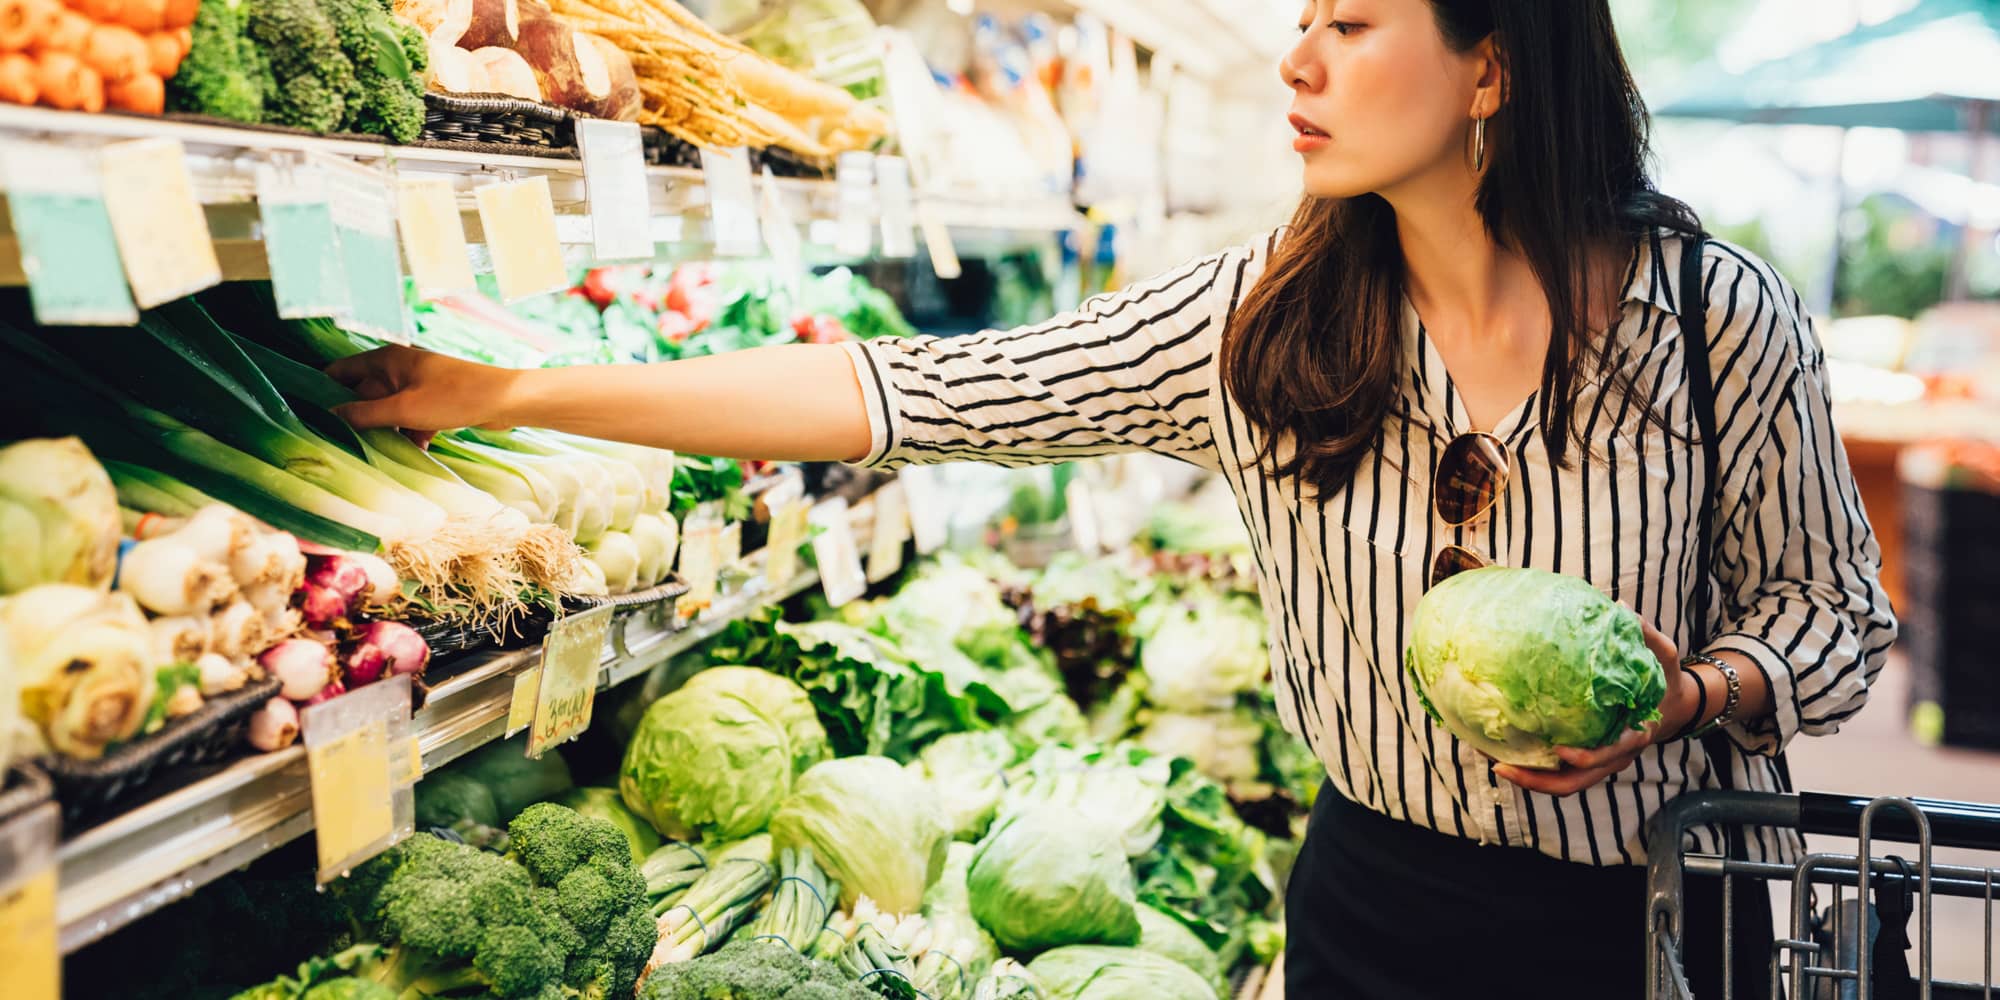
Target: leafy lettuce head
pixel 1518 662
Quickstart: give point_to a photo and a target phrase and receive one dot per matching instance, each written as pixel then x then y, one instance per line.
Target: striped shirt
pixel 1795 569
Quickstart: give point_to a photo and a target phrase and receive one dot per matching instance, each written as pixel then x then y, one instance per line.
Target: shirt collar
pixel 1652 277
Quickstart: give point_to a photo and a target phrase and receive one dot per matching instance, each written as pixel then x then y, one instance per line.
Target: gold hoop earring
pixel 1478 144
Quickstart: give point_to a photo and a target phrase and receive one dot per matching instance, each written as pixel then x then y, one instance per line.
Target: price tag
pixel 304 254
pixel 521 708
pixel 732 202
pixel 68 249
pixel 854 179
pixel 700 562
pixel 892 529
pixel 357 753
pixel 1084 527
pixel 433 234
pixel 781 234
pixel 364 221
pixel 899 217
pixel 944 253
pixel 162 233
pixel 838 557
pixel 729 546
pixel 930 519
pixel 29 951
pixel 788 531
pixel 520 223
pixel 614 177
pixel 570 658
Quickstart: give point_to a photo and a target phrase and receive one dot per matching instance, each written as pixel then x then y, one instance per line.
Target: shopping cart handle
pixel 1953 824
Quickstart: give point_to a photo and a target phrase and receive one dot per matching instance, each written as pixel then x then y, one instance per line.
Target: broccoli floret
pixel 584 868
pixel 743 970
pixel 459 918
pixel 458 802
pixel 350 989
pixel 312 79
pixel 223 74
pixel 388 58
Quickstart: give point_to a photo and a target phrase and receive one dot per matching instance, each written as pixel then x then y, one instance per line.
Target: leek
pixel 150 491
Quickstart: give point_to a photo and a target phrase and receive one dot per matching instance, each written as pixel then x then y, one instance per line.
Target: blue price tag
pixel 307 276
pixel 69 251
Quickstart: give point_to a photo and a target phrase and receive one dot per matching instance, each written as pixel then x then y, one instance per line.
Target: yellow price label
pixel 28 949
pixel 433 235
pixel 570 658
pixel 521 710
pixel 891 532
pixel 520 225
pixel 350 793
pixel 162 233
pixel 788 532
pixel 701 544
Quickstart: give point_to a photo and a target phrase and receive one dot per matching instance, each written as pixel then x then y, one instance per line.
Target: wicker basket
pixel 497 123
pixel 93 790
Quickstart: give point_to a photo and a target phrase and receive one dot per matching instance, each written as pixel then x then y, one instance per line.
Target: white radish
pixel 217 533
pixel 275 726
pixel 238 630
pixel 180 639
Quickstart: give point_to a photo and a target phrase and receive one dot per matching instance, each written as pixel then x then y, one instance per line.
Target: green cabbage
pixel 967 775
pixel 1518 662
pixel 1201 651
pixel 1046 877
pixel 872 825
pixel 1169 938
pixel 1122 790
pixel 1097 972
pixel 716 757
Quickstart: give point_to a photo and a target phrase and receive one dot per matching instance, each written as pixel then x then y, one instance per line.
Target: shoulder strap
pixel 1701 395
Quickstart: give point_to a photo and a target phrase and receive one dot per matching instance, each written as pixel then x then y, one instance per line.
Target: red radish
pixel 332 690
pixel 675 327
pixel 384 586
pixel 338 573
pixel 275 726
pixel 323 606
pixel 691 291
pixel 365 665
pixel 301 665
pixel 406 651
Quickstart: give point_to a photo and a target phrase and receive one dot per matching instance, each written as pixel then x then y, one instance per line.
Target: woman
pixel 1475 305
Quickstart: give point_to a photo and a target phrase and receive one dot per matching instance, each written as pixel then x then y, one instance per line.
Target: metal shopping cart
pixel 1822 953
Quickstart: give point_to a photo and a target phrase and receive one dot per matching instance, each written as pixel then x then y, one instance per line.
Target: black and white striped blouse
pixel 1796 564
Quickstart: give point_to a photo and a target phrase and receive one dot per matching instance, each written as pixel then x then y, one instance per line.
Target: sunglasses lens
pixel 1453 560
pixel 1470 477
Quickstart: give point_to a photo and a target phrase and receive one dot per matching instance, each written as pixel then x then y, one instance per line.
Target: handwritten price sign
pixel 570 659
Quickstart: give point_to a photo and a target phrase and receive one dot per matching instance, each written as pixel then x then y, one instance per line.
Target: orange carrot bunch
pixel 85 55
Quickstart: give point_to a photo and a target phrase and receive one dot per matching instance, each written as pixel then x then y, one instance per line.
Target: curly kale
pixel 224 74
pixel 389 58
pixel 312 79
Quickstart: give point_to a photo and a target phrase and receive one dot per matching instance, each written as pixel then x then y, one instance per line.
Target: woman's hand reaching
pixel 421 391
pixel 1583 768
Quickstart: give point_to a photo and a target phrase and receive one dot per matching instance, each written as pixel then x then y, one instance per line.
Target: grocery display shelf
pixel 223 160
pixel 160 852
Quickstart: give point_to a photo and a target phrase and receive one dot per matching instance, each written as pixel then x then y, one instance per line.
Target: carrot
pixel 163 53
pixel 181 13
pixel 69 34
pixel 17 79
pixel 144 16
pixel 41 21
pixel 116 52
pixel 66 83
pixel 18 20
pixel 99 11
pixel 143 93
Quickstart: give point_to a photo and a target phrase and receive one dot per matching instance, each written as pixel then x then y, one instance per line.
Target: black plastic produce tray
pixel 93 790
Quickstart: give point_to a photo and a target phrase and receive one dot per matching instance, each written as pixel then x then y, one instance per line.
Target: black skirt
pixel 1379 908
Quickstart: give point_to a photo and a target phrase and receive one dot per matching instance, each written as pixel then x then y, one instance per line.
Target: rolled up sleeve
pixel 1132 371
pixel 1797 562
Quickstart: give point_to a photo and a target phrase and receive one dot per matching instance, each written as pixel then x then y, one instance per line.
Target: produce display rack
pixel 222 161
pixel 160 852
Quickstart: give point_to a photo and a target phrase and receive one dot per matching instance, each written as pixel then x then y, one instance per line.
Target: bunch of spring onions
pixel 193 410
pixel 800 903
pixel 716 903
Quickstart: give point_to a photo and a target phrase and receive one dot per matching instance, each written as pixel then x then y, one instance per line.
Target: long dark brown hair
pixel 1312 354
